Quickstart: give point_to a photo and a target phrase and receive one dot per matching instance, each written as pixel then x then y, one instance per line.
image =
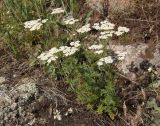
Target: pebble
pixel 2 80
pixel 14 106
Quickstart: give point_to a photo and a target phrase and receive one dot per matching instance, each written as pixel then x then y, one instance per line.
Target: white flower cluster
pixel 107 29
pixel 121 55
pixel 67 51
pixel 106 34
pixel 57 11
pixel 85 28
pixel 75 44
pixel 34 24
pixel 69 111
pixel 57 115
pixel 106 60
pixel 98 52
pixel 97 48
pixel 104 25
pixel 150 69
pixel 50 55
pixel 121 30
pixel 70 21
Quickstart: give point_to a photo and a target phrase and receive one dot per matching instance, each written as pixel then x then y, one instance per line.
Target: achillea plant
pixel 88 68
pixel 66 48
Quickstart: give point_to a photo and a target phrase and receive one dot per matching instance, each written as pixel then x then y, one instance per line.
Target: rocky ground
pixel 29 98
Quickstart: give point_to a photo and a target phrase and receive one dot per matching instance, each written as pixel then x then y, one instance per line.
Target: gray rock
pixel 14 100
pixel 136 53
pixel 27 86
pixel 17 101
pixel 26 90
pixel 133 55
pixel 20 110
pixel 5 99
pixel 156 59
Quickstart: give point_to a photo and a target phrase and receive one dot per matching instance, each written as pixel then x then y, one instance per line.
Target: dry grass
pixel 119 6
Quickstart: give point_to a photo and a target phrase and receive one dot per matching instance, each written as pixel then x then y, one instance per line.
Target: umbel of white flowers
pixel 85 28
pixel 108 29
pixel 96 48
pixel 50 55
pixel 34 24
pixel 104 25
pixel 109 59
pixel 105 60
pixel 57 11
pixel 57 115
pixel 70 21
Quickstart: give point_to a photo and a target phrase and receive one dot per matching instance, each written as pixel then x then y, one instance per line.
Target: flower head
pixel 34 24
pixel 95 47
pixel 99 63
pixel 85 28
pixel 57 11
pixel 121 30
pixel 69 111
pixel 106 60
pixel 75 44
pixel 54 50
pixel 98 52
pixel 44 20
pixel 57 115
pixel 104 25
pixel 106 34
pixel 70 21
pixel 49 56
pixel 69 51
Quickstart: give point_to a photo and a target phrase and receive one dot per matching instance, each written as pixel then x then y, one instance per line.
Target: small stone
pixel 2 80
pixel 5 100
pixel 14 106
pixel 32 122
pixel 15 75
pixel 20 110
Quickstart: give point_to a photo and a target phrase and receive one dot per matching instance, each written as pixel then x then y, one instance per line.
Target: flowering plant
pixel 73 54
